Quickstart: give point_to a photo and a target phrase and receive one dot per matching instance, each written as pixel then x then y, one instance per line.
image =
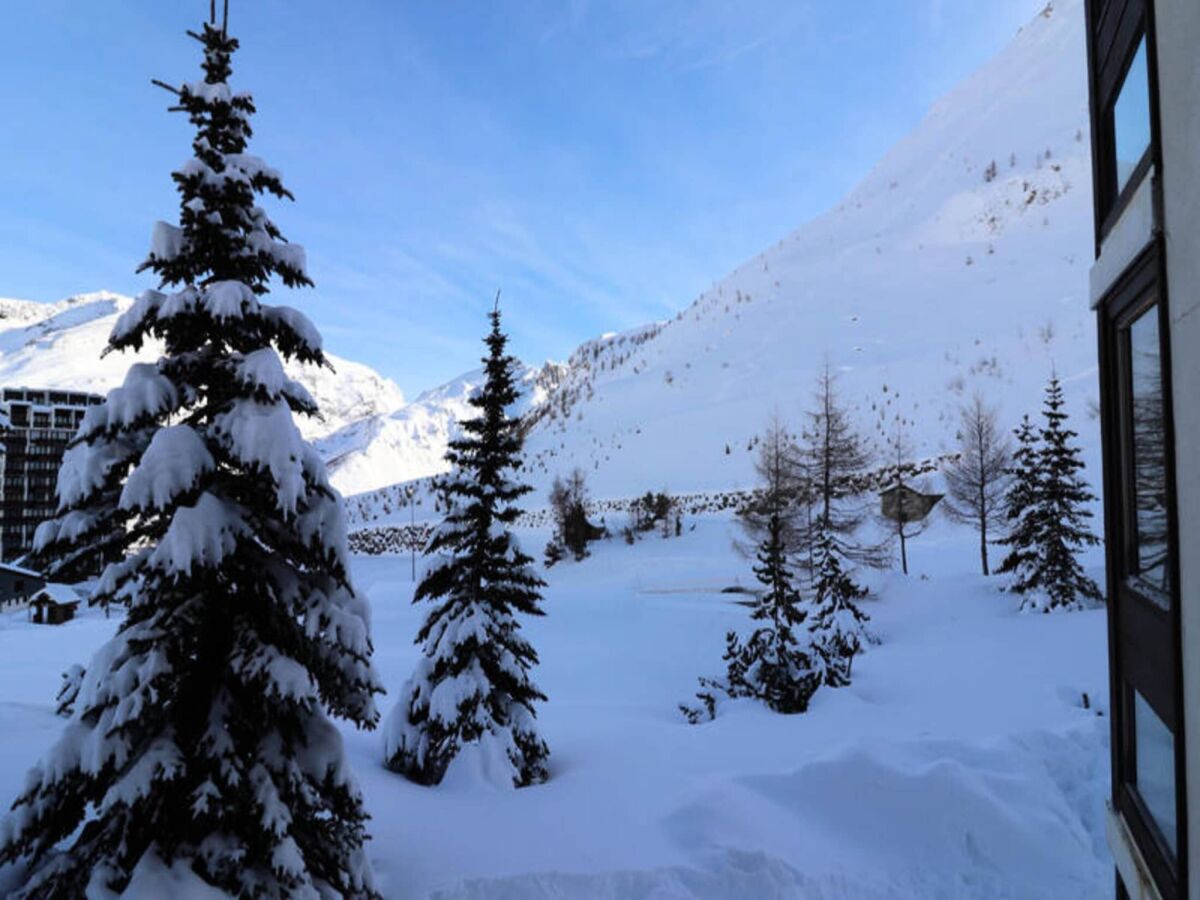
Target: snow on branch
pixel 172 465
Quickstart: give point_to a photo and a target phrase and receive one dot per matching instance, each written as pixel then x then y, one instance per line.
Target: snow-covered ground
pixel 961 763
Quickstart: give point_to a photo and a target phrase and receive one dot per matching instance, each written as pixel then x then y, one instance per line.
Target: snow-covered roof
pixel 59 593
pixel 19 570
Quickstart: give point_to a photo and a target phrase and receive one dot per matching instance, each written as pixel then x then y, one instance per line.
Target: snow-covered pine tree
pixel 1022 509
pixel 471 689
pixel 838 626
pixel 200 735
pixel 1063 514
pixel 778 663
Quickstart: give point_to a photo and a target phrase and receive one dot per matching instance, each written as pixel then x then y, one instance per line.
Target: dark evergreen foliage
pixel 472 683
pixel 573 530
pixel 777 664
pixel 1048 506
pixel 1064 518
pixel 839 626
pixel 1021 510
pixel 200 733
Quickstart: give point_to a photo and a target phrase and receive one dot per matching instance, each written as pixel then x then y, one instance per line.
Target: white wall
pixel 1178 40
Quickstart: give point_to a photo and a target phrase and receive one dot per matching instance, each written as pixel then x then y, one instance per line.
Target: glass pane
pixel 1155 776
pixel 1149 458
pixel 1131 117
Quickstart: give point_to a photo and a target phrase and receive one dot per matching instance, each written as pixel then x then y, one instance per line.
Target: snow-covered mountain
pixel 59 345
pixel 959 264
pixel 367 433
pixel 410 442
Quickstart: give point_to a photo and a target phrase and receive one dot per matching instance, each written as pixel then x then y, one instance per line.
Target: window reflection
pixel 1131 117
pixel 1149 458
pixel 1155 775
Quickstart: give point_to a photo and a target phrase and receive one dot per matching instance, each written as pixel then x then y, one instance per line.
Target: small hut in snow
pixel 901 503
pixel 54 604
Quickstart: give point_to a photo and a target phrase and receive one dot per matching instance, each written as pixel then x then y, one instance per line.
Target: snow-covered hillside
pixel 59 345
pixel 932 280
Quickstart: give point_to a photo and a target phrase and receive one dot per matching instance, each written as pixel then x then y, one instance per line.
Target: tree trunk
pixel 983 528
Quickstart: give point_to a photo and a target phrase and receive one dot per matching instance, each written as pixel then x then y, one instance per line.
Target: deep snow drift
pixel 960 763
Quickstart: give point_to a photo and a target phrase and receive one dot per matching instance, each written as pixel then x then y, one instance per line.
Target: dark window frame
pixel 1115 29
pixel 1144 640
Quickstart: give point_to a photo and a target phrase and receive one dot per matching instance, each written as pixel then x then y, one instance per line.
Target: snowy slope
pixel 927 283
pixel 59 345
pixel 411 442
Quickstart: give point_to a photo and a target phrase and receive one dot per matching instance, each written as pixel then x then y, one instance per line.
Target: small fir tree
pixel 777 664
pixel 200 736
pixel 471 688
pixel 839 626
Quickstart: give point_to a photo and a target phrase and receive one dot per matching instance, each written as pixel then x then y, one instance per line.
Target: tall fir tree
pixel 1047 507
pixel 200 736
pixel 778 663
pixel 471 687
pixel 1063 513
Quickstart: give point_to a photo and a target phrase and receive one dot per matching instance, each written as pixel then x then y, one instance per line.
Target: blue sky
pixel 601 161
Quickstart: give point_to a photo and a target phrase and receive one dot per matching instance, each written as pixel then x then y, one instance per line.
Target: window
pixel 1121 73
pixel 1131 118
pixel 1154 769
pixel 1143 592
pixel 1148 449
